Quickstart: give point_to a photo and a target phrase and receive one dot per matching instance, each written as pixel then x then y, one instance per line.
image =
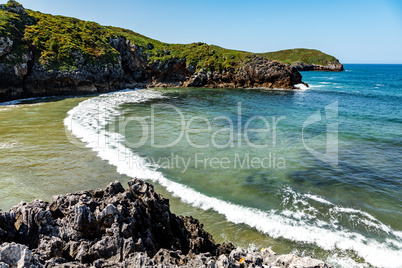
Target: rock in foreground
pixel 119 228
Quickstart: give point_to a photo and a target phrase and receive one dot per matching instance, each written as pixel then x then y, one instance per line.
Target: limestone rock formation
pixel 256 72
pixel 26 72
pixel 330 67
pixel 119 227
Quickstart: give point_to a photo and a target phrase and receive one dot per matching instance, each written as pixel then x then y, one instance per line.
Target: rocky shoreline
pixel 118 227
pixel 34 65
pixel 25 72
pixel 31 79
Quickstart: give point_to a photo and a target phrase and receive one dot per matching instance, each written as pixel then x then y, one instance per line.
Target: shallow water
pixel 293 194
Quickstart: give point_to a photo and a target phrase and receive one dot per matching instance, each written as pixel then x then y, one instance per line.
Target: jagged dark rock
pixel 118 227
pixel 257 71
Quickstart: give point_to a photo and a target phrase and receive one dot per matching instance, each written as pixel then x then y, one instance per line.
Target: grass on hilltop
pixel 58 42
pixel 303 55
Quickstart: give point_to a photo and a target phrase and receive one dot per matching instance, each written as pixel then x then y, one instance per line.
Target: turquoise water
pixel 321 177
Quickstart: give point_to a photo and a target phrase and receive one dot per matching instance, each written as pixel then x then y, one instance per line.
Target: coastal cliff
pixel 46 55
pixel 118 227
pixel 306 59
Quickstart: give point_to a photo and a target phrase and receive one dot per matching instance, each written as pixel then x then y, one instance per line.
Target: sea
pixel 313 172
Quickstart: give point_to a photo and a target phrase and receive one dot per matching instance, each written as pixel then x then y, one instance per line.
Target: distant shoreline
pixel 46 55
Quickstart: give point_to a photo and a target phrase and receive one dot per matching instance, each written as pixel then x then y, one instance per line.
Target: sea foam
pixel 301 87
pixel 88 121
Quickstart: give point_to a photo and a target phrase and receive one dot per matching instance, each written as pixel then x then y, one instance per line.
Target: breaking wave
pixel 298 221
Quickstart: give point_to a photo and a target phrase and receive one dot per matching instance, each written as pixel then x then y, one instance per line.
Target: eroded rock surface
pixel 256 72
pixel 118 227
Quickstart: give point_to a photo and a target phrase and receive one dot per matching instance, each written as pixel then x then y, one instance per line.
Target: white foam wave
pixel 88 120
pixel 7 108
pixel 339 261
pixel 301 87
pixel 11 105
pixel 356 216
pixel 19 101
pixel 318 199
pixel 316 86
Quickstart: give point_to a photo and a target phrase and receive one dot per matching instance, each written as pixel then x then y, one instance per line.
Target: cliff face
pixel 42 55
pixel 115 227
pixel 256 72
pixel 45 55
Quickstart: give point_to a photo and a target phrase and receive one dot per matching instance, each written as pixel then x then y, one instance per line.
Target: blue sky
pixel 353 31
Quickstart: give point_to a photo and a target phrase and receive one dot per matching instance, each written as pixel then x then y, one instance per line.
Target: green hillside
pixel 58 41
pixel 303 55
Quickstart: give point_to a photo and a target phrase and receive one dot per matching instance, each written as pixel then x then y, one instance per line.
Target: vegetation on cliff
pixel 302 55
pixel 12 26
pixel 42 55
pixel 59 41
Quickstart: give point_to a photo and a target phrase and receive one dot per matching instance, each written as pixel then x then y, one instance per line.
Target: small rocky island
pixel 46 55
pixel 118 227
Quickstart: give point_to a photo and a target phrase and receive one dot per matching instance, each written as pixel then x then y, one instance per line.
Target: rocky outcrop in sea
pixel 118 227
pixel 257 71
pixel 330 67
